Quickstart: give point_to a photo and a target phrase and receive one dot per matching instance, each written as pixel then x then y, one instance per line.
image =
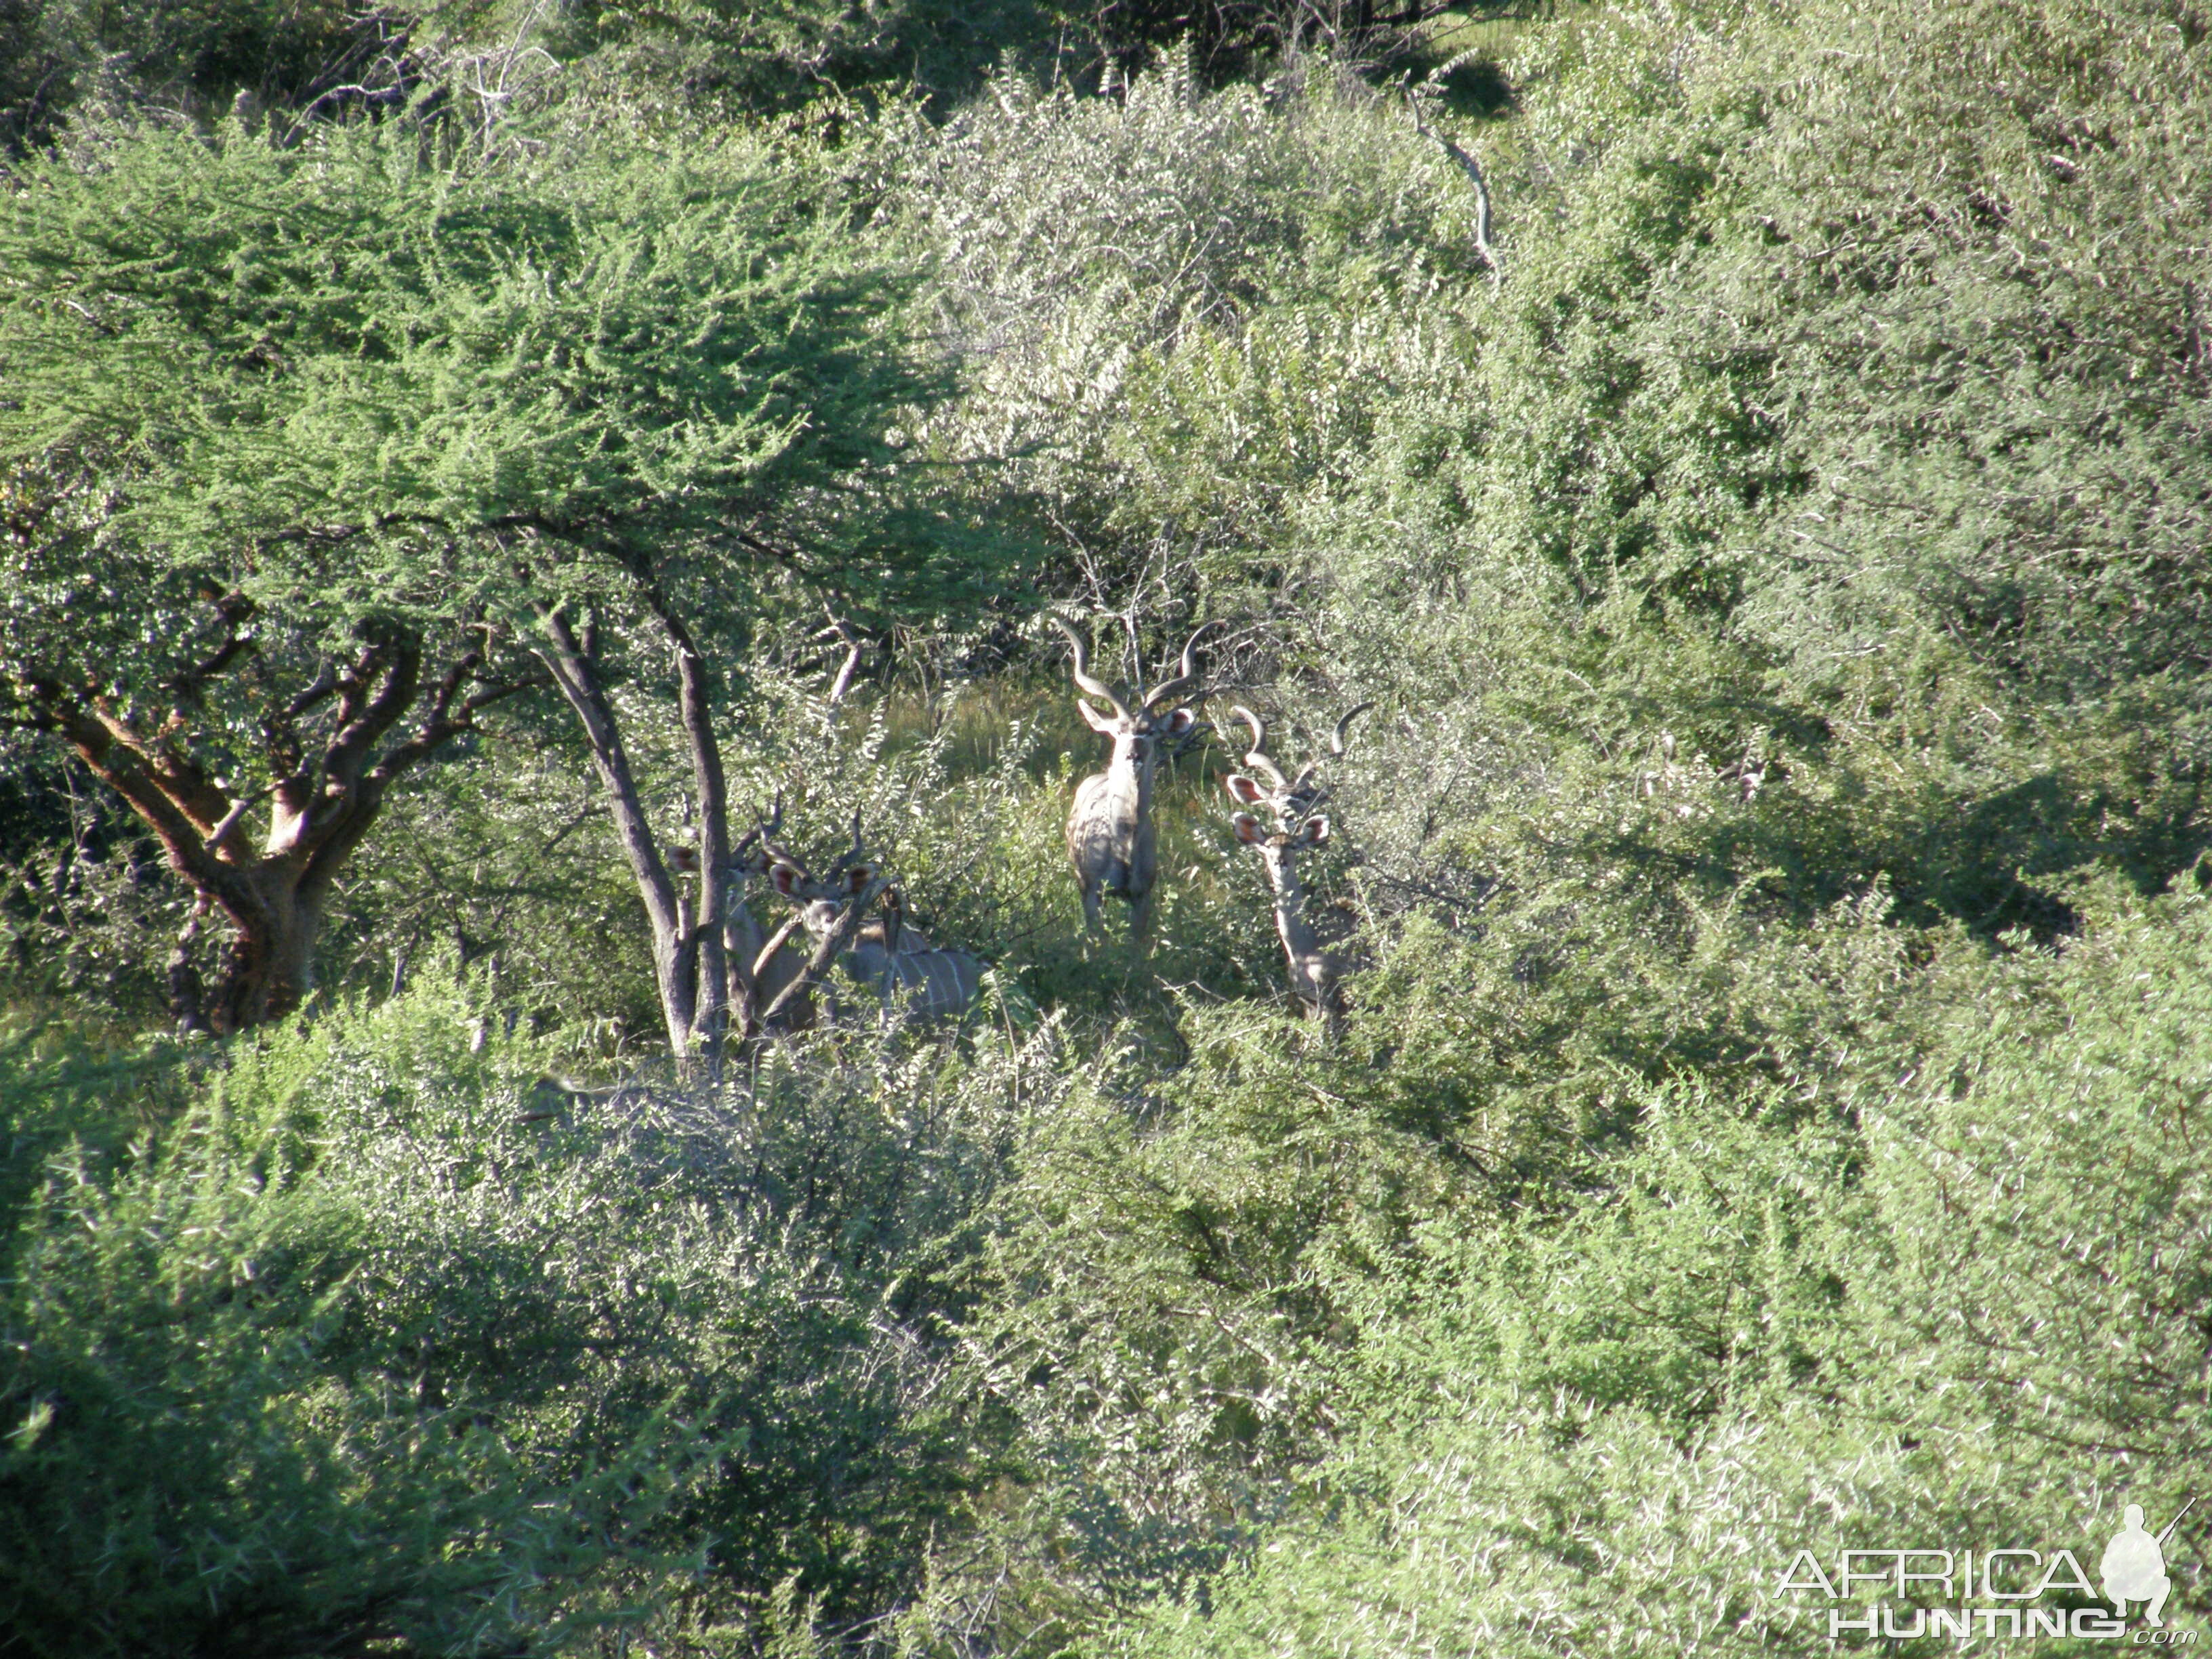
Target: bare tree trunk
pixel 696 980
pixel 675 937
pixel 709 1023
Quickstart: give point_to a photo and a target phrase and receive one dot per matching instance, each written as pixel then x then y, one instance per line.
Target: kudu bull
pixel 920 980
pixel 1110 839
pixel 1293 803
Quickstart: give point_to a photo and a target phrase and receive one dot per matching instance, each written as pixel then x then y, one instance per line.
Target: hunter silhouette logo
pixel 2134 1566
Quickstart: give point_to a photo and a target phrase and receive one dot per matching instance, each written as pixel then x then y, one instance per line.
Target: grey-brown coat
pixel 916 980
pixel 1293 823
pixel 1110 839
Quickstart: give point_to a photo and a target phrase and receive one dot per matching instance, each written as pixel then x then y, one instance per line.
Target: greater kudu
pixel 928 982
pixel 762 966
pixel 1293 805
pixel 758 966
pixel 1110 840
pixel 912 978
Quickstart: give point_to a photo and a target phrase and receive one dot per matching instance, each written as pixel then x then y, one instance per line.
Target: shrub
pixel 362 1349
pixel 1960 1304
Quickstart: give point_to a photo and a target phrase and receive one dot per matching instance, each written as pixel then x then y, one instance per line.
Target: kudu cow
pixel 929 981
pixel 910 976
pixel 1292 805
pixel 758 966
pixel 1110 838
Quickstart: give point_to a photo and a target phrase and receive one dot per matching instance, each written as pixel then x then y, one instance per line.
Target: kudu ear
pixel 1179 723
pixel 787 879
pixel 1313 832
pixel 1244 791
pixel 1094 720
pixel 857 878
pixel 1247 828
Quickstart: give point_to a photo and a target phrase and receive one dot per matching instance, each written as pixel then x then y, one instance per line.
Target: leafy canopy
pixel 368 373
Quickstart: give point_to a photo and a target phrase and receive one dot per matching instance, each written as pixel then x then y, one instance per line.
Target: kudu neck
pixel 1299 935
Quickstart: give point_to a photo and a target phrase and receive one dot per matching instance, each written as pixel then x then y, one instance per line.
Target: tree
pixel 321 450
pixel 200 707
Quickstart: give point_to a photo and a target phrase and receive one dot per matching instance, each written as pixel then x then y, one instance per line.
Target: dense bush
pixel 1770 883
pixel 198 58
pixel 1797 391
pixel 384 1339
pixel 1964 1301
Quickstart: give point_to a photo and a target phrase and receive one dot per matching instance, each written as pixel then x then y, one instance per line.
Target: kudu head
pixel 1289 817
pixel 1288 823
pixel 760 965
pixel 914 979
pixel 821 900
pixel 1137 725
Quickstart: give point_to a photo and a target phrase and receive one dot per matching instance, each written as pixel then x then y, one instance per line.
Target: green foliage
pixel 195 56
pixel 85 910
pixel 403 367
pixel 361 1348
pixel 1194 1269
pixel 1958 1301
pixel 73 1085
pixel 719 60
pixel 505 865
pixel 213 1420
pixel 1580 504
pixel 1223 330
pixel 1770 883
pixel 1756 450
pixel 369 398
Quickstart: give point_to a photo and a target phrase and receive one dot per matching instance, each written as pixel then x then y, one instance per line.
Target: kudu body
pixel 911 977
pixel 929 983
pixel 1292 823
pixel 1110 839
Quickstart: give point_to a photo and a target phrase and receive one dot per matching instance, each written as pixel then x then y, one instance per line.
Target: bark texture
pixel 334 749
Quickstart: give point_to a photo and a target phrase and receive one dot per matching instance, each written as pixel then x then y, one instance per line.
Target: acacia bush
pixel 370 1345
pixel 1786 412
pixel 1245 289
pixel 1960 1300
pixel 193 59
pixel 1192 1273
